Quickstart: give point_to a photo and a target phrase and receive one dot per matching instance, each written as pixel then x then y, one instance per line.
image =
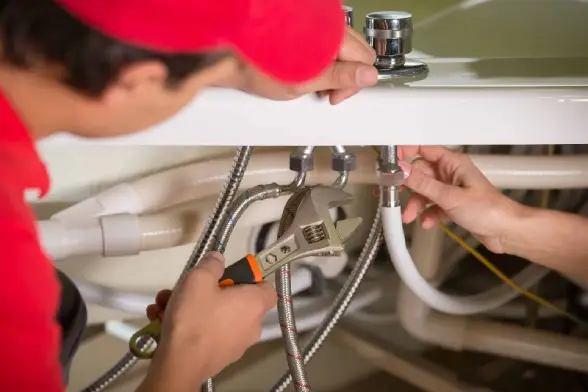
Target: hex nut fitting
pixel 394 178
pixel 302 162
pixel 343 161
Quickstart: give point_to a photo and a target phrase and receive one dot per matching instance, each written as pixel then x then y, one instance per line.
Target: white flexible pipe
pixel 436 299
pixel 204 179
pixel 466 333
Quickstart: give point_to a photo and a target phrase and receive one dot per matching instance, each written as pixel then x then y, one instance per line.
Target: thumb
pixel 345 75
pixel 214 262
pixel 425 185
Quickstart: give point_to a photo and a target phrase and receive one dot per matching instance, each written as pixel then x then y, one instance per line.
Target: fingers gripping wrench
pixel 311 233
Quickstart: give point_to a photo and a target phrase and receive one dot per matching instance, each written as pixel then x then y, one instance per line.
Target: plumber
pixel 448 187
pixel 101 68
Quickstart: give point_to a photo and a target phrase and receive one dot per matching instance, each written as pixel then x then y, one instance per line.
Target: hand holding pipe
pixel 312 233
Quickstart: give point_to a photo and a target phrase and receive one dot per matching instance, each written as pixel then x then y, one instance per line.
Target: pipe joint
pixel 302 159
pixel 343 161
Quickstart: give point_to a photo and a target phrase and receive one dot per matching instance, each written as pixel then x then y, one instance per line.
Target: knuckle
pixel 416 181
pixel 341 76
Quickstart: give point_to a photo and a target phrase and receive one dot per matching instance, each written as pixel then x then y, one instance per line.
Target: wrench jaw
pixel 312 232
pixel 313 226
pixel 347 227
pixel 325 197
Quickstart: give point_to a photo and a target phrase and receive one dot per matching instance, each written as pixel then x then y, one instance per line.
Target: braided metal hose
pixel 344 298
pixel 285 307
pixel 238 207
pixel 342 162
pixel 204 244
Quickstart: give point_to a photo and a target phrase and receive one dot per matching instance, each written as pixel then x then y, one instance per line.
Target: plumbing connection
pixel 123 221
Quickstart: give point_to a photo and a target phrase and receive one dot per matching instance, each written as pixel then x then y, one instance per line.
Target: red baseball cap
pixel 290 40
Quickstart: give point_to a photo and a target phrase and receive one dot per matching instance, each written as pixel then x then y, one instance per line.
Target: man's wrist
pixel 175 367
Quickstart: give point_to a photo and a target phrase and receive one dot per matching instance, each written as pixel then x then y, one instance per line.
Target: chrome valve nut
pixel 343 161
pixel 301 161
pixel 394 178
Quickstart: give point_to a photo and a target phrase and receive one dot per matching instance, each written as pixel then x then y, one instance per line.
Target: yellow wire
pixel 532 296
pixel 506 279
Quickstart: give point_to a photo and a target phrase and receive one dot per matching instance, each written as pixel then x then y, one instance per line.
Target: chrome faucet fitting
pixel 348 15
pixel 391 176
pixel 302 159
pixel 390 34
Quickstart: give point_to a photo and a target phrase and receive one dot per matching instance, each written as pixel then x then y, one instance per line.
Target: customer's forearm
pixel 554 239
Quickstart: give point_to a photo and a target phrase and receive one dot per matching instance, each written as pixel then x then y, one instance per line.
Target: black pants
pixel 72 318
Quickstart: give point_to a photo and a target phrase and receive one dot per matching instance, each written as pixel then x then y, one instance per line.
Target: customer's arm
pixel 554 239
pixel 460 193
pixel 205 327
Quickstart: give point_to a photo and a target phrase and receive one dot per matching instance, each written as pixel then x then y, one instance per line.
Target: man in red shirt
pixel 108 67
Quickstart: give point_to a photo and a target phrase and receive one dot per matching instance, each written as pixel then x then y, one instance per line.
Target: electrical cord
pixel 532 296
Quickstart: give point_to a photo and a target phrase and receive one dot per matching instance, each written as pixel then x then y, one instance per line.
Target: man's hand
pixel 205 327
pixel 352 70
pixel 447 187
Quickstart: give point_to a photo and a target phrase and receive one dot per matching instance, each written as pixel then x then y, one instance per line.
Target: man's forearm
pixel 554 239
pixel 172 370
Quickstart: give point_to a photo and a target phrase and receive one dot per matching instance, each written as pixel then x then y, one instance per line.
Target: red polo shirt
pixel 29 289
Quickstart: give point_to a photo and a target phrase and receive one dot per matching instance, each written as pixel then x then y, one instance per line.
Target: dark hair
pixel 35 31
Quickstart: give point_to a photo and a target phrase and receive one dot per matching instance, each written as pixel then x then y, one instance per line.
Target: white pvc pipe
pixel 128 234
pixel 204 179
pixel 466 333
pixel 535 172
pixel 438 300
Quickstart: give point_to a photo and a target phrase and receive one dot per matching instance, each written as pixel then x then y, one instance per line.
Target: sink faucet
pixel 390 34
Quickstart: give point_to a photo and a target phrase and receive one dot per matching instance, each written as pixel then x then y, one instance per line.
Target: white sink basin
pixel 501 72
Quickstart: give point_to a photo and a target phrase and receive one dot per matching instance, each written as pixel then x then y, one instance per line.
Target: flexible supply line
pixel 436 299
pixel 342 301
pixel 216 219
pixel 343 162
pixel 285 307
pixel 245 200
pixel 226 196
pixel 391 176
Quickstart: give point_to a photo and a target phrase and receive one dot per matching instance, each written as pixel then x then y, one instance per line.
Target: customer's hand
pixel 205 327
pixel 352 70
pixel 447 187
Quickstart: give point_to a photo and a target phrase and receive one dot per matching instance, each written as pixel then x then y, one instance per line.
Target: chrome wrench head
pixel 312 232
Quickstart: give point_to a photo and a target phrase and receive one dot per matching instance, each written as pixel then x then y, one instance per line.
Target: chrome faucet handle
pixel 348 15
pixel 389 33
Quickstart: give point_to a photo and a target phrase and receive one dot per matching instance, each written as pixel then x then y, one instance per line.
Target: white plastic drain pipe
pixel 204 179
